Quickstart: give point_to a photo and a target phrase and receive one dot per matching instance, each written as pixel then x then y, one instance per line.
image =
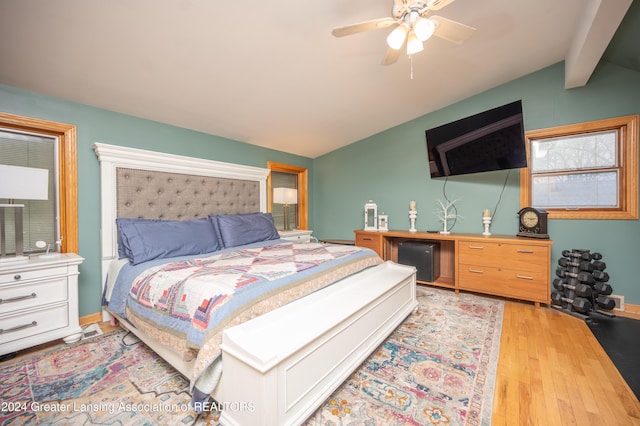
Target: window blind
pixel 40 216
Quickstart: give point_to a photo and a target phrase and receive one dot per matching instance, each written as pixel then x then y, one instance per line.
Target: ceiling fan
pixel 413 27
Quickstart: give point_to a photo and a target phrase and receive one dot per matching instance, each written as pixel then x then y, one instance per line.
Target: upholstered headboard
pixel 146 184
pixel 152 194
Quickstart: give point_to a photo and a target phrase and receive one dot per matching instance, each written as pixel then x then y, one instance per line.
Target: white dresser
pixel 38 301
pixel 297 235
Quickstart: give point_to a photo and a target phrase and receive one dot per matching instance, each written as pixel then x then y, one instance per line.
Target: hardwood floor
pixel 553 371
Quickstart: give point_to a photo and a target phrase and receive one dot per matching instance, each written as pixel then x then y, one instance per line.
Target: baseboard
pixel 630 311
pixel 90 319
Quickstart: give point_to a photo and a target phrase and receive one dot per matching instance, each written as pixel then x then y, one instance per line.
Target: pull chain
pixel 411 65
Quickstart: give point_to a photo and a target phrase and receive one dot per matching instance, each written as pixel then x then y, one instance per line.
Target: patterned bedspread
pixel 187 303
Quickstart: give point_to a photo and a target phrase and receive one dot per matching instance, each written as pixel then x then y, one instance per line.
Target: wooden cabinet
pixel 512 269
pixel 372 240
pixel 38 301
pixel 508 266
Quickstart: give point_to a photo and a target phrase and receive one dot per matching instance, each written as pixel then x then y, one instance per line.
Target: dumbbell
pixel 581 290
pixel 599 265
pixel 585 265
pixel 582 276
pixel 603 288
pixel 579 304
pixel 600 276
pixel 584 253
pixel 605 302
pixel 571 253
pixel 596 256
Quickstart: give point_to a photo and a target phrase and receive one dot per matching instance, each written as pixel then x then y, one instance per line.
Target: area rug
pixel 112 379
pixel 437 368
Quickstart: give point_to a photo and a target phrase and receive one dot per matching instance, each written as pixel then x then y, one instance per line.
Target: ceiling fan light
pixel 396 38
pixel 423 28
pixel 414 45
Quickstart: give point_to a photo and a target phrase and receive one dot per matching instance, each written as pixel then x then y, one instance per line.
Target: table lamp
pixel 19 183
pixel 285 196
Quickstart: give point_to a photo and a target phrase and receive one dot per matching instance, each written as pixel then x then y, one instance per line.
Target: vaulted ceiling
pixel 270 73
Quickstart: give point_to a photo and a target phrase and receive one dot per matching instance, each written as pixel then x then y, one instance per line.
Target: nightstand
pixel 38 300
pixel 297 235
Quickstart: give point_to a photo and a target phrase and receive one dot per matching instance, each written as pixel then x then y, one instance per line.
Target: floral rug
pixel 437 368
pixel 112 379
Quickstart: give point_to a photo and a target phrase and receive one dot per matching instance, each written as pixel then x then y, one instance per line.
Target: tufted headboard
pixel 147 184
pixel 163 195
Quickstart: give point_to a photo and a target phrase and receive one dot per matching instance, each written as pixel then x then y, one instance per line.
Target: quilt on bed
pixel 187 303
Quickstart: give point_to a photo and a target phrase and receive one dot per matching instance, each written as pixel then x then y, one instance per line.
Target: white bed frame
pixel 280 367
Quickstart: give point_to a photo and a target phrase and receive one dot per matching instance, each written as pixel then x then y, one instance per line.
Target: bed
pixel 265 327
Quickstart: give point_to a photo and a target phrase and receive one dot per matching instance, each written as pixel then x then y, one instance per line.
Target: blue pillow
pixel 141 240
pixel 240 229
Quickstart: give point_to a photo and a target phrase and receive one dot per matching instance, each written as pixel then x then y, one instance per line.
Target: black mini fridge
pixel 425 256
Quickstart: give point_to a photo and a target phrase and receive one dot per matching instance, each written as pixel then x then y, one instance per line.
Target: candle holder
pixel 412 219
pixel 486 220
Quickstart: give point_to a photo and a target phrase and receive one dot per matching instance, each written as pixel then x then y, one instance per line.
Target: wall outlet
pixel 619 301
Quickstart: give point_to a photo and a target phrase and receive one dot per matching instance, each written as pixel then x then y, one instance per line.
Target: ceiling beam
pixel 599 22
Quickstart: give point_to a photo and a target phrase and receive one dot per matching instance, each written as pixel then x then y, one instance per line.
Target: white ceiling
pixel 271 74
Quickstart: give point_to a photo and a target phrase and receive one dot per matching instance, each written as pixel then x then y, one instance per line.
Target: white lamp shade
pixel 23 183
pixel 423 28
pixel 285 196
pixel 395 40
pixel 414 45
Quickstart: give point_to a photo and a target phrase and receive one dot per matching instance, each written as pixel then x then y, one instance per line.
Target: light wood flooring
pixel 551 371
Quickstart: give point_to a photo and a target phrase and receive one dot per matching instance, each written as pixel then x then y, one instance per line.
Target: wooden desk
pixel 501 265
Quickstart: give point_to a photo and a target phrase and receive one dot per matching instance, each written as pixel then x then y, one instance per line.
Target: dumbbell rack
pixel 582 288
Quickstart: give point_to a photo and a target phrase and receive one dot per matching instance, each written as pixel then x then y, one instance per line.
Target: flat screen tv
pixel 488 141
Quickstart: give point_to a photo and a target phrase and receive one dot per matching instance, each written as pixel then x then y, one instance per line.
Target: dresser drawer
pixel 14 277
pixel 33 294
pixel 33 322
pixel 527 285
pixel 370 240
pixel 520 257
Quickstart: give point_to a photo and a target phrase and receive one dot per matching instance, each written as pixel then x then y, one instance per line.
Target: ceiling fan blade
pixel 438 4
pixel 392 56
pixel 451 30
pixel 374 24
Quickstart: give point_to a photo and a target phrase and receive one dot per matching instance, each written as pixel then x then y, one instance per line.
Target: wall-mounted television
pixel 487 141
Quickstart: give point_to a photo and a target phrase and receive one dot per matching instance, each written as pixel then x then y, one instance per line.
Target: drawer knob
pixel 17 277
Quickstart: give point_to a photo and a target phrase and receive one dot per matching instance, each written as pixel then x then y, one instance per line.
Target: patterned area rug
pixel 112 379
pixel 437 368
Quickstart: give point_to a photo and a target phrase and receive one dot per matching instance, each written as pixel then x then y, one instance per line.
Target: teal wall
pixel 391 169
pixel 96 125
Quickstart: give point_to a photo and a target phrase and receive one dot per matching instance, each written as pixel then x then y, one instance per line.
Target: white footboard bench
pixel 280 367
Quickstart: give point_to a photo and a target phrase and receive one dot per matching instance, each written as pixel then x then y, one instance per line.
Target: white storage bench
pixel 296 356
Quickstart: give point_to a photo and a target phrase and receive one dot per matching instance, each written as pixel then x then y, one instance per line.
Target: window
pixel 38 143
pixel 31 150
pixel 290 177
pixel 583 171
